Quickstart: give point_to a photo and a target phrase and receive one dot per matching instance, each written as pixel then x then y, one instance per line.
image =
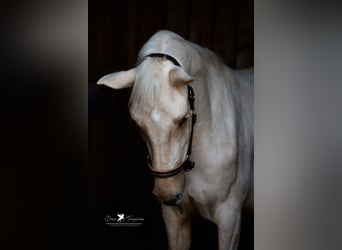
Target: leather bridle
pixel 186 165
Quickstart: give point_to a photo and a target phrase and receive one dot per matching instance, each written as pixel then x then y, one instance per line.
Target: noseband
pixel 186 165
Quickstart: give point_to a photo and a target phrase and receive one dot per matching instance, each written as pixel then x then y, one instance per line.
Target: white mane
pixel 147 83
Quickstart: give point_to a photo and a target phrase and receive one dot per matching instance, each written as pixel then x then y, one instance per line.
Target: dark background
pixel 118 181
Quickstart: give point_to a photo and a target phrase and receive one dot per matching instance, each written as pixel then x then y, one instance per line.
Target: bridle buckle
pixel 188 165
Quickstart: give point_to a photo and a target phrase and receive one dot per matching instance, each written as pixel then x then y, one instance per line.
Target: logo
pixel 121 217
pixel 122 220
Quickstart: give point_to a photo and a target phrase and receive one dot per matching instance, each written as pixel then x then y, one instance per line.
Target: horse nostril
pixel 174 202
pixel 178 199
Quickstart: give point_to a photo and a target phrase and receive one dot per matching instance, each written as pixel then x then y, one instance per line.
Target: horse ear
pixel 178 76
pixel 119 80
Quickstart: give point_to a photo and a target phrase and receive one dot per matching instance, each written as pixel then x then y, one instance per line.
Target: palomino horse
pixel 217 148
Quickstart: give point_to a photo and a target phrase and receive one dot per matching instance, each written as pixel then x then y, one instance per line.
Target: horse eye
pixel 183 120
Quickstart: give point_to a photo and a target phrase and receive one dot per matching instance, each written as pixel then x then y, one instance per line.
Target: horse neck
pixel 216 89
pixel 216 102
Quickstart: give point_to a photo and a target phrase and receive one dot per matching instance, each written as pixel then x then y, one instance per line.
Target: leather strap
pixel 168 57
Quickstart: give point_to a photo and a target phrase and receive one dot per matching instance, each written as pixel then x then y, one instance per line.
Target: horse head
pixel 159 104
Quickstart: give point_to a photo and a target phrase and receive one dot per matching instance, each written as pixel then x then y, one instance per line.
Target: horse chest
pixel 207 191
pixel 202 201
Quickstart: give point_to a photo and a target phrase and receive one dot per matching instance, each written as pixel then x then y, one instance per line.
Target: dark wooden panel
pixel 245 43
pixel 178 17
pixel 99 37
pixel 152 18
pixel 202 22
pixel 225 30
pixel 124 35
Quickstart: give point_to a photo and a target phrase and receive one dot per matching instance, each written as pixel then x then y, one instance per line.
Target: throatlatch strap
pixel 191 98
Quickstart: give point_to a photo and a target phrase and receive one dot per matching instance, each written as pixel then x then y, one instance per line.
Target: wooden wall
pixel 118 180
pixel 118 29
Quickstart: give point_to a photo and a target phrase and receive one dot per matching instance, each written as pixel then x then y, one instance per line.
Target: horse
pixel 196 117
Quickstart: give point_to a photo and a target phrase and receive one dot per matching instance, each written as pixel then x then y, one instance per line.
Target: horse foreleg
pixel 178 228
pixel 228 219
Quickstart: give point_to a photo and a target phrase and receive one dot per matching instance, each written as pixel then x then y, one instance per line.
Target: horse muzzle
pixel 174 201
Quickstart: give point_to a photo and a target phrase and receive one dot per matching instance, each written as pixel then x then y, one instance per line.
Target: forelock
pixel 147 84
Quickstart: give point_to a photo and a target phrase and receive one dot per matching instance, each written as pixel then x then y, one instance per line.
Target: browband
pixel 168 57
